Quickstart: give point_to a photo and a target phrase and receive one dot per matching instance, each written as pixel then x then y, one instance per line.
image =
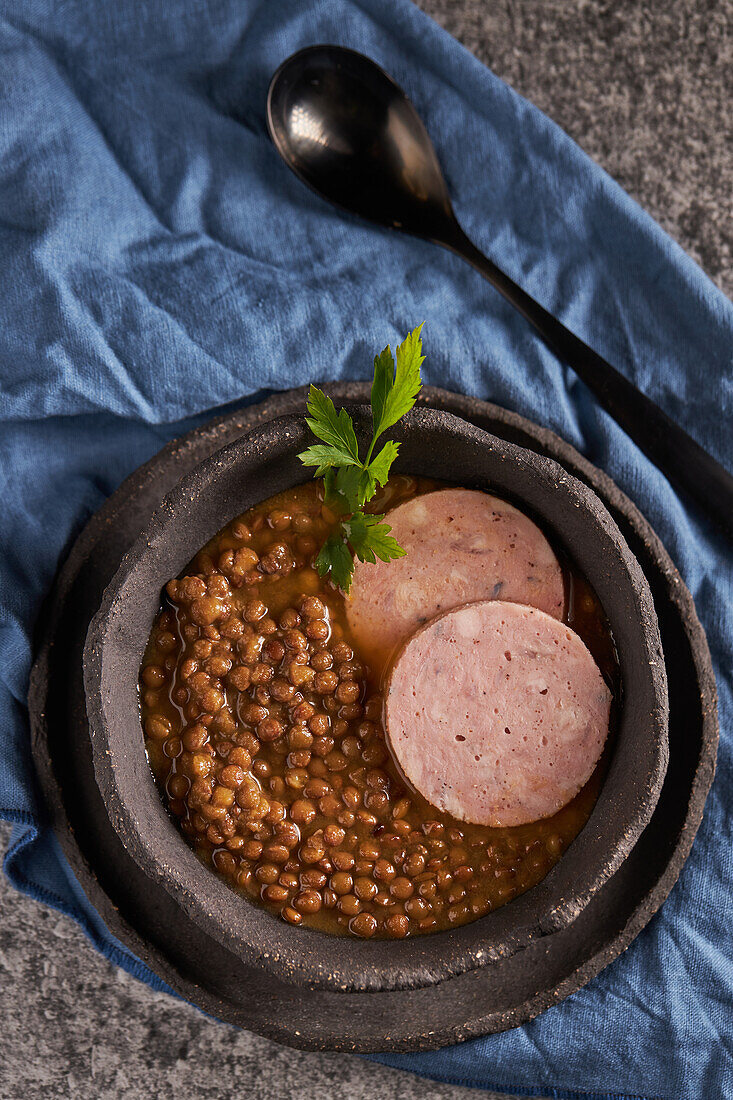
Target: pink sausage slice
pixel 462 545
pixel 497 713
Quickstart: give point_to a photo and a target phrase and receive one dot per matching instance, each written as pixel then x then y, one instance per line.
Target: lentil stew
pixel 263 729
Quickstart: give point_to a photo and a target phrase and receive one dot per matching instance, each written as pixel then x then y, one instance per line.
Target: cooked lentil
pixel 263 729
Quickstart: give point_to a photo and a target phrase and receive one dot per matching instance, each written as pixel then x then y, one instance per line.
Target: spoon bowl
pixel 349 132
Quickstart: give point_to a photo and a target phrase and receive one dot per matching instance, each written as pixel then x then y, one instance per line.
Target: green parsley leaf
pixel 370 539
pixel 342 491
pixel 335 558
pixel 334 428
pixel 392 396
pixel 331 494
pixel 347 488
pixel 348 482
pixel 379 467
pixel 381 387
pixel 324 457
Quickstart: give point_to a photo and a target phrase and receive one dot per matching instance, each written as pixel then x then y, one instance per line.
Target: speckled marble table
pixel 641 85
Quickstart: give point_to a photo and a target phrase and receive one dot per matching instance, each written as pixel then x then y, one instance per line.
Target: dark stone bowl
pixel 434 444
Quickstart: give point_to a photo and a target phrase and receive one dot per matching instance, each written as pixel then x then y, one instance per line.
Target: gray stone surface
pixel 644 88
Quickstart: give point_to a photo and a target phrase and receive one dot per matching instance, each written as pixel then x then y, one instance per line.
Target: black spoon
pixel 349 132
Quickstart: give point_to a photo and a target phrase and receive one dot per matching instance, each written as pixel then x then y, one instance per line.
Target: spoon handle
pixel 670 448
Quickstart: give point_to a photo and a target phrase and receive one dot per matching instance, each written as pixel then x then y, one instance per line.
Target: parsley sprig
pixel 349 482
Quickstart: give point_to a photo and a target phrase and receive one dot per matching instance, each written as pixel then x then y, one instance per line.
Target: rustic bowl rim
pixel 302 955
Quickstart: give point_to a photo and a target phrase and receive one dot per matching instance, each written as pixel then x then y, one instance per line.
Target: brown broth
pixel 370 856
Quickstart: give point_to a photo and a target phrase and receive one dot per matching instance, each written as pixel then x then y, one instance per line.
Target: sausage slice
pixel 497 713
pixel 462 545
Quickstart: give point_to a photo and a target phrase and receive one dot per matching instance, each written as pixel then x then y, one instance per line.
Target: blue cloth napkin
pixel 159 260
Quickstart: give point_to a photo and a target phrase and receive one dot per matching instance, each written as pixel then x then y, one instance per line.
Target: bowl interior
pixel 264 462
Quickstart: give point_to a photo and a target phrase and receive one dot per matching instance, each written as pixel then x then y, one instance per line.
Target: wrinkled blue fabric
pixel 158 260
